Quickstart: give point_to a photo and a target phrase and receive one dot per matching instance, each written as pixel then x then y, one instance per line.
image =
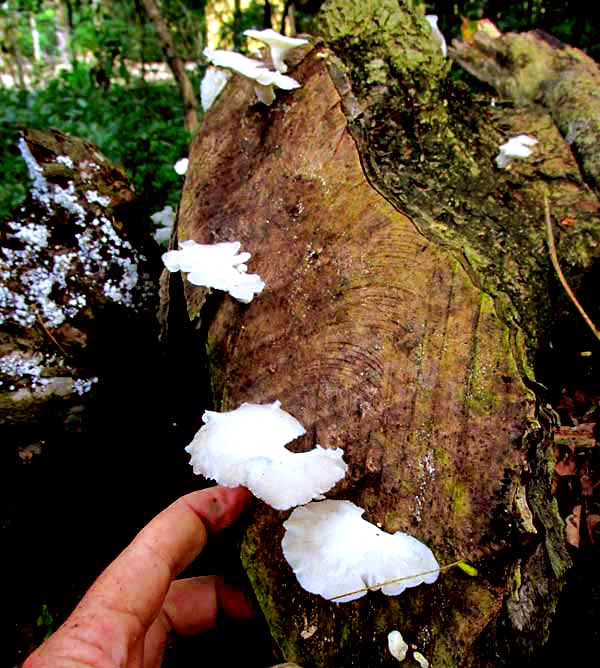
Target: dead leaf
pixel 572 526
pixel 592 522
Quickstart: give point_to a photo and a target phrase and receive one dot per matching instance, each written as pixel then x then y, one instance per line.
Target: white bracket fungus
pixel 516 147
pixel 432 19
pixel 279 45
pixel 247 447
pixel 338 555
pixel 216 266
pixel 264 78
pixel 213 82
pixel 397 645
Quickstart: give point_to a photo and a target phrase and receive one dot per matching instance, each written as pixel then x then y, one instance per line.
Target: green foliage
pixel 46 620
pixel 138 126
pixel 232 29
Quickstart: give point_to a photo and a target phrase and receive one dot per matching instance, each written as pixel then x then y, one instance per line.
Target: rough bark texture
pixel 407 341
pixel 535 67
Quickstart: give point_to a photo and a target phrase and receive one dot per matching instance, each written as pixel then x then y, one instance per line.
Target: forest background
pixel 94 70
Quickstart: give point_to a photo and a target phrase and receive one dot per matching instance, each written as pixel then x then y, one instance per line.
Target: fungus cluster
pixel 36 283
pixel 216 266
pixel 333 552
pixel 247 447
pixel 265 80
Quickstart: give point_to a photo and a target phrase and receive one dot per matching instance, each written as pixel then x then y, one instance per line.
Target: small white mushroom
pixel 421 660
pixel 164 220
pixel 181 166
pixel 213 82
pixel 335 553
pixel 264 78
pixel 432 19
pixel 216 266
pixel 247 447
pixel 279 45
pixel 516 147
pixel 397 646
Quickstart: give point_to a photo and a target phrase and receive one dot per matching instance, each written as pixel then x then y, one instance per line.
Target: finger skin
pixel 108 627
pixel 191 607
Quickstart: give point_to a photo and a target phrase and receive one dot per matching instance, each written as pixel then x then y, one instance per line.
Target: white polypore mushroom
pixel 279 45
pixel 397 645
pixel 336 554
pixel 264 78
pixel 213 82
pixel 516 147
pixel 216 266
pixel 247 447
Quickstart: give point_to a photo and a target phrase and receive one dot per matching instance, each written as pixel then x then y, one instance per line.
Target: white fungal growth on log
pixel 247 447
pixel 397 645
pixel 338 555
pixel 217 266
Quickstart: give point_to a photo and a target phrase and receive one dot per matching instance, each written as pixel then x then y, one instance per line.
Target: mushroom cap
pixel 234 61
pixel 213 82
pixel 216 266
pixel 518 147
pixel 279 44
pixel 515 147
pixel 334 552
pixel 272 38
pixel 246 447
pixel 250 68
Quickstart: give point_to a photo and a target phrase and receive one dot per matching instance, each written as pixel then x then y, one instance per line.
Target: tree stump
pixel 407 282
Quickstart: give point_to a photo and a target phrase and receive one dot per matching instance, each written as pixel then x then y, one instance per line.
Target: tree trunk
pixel 35 38
pixel 407 301
pixel 176 64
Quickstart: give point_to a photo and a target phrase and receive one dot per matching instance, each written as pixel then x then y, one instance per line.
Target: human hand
pixel 125 617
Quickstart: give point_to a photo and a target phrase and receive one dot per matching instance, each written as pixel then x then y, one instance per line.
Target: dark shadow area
pixel 102 474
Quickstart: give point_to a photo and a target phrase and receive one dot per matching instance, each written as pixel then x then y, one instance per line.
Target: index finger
pixel 138 580
pixel 115 614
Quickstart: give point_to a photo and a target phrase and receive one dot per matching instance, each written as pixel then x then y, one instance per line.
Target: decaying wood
pixel 406 288
pixel 535 67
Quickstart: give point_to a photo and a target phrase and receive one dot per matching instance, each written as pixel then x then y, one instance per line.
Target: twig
pixel 54 341
pixel 388 582
pixel 561 276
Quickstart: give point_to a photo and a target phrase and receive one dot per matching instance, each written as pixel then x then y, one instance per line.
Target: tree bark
pixel 176 64
pixel 406 303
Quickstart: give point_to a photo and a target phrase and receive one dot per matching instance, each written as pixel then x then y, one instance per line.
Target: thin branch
pixel 176 64
pixel 388 582
pixel 561 276
pixel 49 335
